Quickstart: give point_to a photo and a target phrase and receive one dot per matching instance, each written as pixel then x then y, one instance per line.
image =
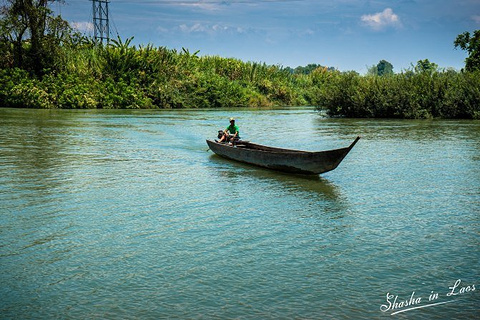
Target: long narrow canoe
pixel 287 160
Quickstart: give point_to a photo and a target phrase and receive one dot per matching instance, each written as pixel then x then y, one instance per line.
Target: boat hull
pixel 286 160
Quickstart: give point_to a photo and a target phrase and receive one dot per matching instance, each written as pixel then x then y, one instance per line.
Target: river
pixel 126 215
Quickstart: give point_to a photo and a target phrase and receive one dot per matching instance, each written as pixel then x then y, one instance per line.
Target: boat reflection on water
pixel 312 184
pixel 311 196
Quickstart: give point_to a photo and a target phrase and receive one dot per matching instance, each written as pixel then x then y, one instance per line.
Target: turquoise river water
pixel 126 215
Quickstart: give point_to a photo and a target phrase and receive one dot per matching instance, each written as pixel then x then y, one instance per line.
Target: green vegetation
pixel 383 68
pixel 407 95
pixel 45 64
pixel 470 43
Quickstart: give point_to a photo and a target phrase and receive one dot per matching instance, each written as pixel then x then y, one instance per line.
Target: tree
pixel 425 66
pixel 470 43
pixel 384 68
pixel 30 33
pixel 372 70
pixel 13 28
pixel 307 69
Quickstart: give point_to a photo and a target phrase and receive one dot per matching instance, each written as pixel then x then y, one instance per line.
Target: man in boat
pixel 231 133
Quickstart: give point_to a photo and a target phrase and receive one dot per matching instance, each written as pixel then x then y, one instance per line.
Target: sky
pixel 344 34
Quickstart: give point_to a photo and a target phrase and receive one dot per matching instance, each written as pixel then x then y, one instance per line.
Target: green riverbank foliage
pixel 406 95
pixel 61 69
pixel 123 76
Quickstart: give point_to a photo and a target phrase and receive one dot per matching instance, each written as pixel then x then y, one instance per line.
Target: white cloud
pixel 210 29
pixel 476 19
pixel 203 5
pixel 381 20
pixel 162 30
pixel 83 26
pixel 197 27
pixel 307 32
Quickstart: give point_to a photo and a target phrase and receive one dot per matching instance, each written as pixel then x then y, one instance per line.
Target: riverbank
pixel 124 77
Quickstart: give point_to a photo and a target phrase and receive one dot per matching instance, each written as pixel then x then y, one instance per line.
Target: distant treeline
pixel 61 69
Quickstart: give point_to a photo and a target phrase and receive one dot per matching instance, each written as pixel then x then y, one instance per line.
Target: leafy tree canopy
pixel 471 44
pixel 308 69
pixel 384 68
pixel 30 36
pixel 425 66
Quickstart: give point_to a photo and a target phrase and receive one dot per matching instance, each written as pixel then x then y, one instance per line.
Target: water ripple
pixel 125 215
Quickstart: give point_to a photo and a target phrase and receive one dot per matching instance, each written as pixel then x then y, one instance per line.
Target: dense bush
pixel 123 76
pixel 406 95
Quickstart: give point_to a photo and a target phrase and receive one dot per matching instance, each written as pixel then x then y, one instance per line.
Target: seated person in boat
pixel 231 133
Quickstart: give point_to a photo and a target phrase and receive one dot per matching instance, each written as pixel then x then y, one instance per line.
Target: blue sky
pixel 345 34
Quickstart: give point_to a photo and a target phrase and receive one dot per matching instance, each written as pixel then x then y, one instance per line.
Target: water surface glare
pixel 126 215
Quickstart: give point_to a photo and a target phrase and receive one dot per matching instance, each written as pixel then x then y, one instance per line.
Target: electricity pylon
pixel 101 28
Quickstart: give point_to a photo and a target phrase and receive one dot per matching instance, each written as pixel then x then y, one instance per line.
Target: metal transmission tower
pixel 101 28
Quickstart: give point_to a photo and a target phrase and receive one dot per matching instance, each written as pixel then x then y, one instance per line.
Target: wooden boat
pixel 287 160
